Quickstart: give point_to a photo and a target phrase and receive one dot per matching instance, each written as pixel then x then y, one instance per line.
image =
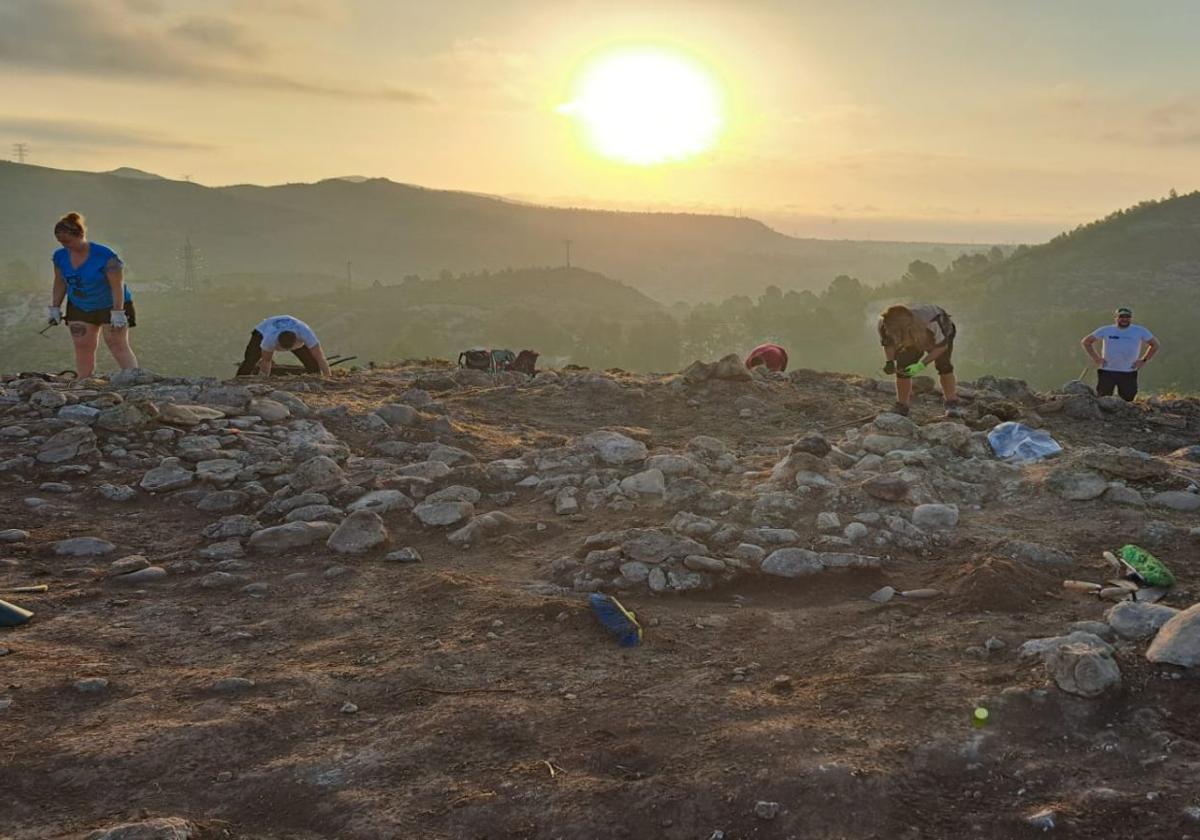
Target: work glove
pixel 914 369
pixel 53 315
pixel 117 320
pixel 890 367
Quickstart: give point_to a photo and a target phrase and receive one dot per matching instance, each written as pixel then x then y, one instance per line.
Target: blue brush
pixel 617 620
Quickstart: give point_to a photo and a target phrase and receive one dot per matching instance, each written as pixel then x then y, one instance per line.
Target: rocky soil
pixel 357 608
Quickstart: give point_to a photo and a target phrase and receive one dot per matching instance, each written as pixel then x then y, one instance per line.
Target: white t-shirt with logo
pixel 273 326
pixel 1122 347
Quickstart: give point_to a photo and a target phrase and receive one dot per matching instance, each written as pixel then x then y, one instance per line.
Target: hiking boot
pixel 901 409
pixel 954 410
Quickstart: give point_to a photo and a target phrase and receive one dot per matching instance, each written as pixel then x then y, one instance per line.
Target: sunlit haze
pixel 950 122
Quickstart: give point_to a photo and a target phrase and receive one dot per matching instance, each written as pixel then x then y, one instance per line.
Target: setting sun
pixel 647 106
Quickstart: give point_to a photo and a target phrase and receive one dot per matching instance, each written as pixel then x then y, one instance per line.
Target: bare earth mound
pixel 358 609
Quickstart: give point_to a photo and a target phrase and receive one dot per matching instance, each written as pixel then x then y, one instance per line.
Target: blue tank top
pixel 87 285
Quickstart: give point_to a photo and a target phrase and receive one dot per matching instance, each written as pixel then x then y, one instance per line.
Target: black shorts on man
pixel 99 317
pixel 1125 382
pixel 944 364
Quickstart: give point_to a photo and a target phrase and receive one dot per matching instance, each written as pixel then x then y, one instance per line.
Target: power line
pixel 190 255
pixel 568 243
pixel 20 150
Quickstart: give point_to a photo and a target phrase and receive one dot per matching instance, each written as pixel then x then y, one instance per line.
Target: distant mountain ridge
pixel 388 231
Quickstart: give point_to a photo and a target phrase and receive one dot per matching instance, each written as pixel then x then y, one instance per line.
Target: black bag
pixel 475 359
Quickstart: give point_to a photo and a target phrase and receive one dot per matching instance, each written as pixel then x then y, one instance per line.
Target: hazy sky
pixel 955 120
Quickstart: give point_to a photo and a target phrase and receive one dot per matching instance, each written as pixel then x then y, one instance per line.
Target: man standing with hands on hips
pixel 1121 357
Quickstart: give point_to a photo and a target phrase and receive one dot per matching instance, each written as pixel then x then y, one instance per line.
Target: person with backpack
pixel 771 356
pixel 283 332
pixel 91 278
pixel 1121 358
pixel 914 337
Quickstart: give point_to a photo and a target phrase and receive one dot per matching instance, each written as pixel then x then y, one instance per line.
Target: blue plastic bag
pixel 1019 444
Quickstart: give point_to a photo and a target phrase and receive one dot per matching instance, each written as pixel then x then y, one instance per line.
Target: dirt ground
pixel 487 709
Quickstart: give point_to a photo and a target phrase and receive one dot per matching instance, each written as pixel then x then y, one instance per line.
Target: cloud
pixel 104 43
pixel 145 7
pixel 219 34
pixel 77 133
pixel 309 9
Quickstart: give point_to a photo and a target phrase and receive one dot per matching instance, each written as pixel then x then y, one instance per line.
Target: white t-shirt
pixel 273 326
pixel 1122 347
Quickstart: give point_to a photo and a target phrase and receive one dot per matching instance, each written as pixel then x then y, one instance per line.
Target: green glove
pixel 914 369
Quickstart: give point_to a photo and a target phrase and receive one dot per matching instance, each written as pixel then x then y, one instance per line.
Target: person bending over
pixel 282 332
pixel 914 337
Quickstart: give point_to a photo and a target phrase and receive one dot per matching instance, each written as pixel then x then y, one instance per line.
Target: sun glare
pixel 647 106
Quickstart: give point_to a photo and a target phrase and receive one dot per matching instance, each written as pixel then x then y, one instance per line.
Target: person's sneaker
pixel 954 409
pixel 901 409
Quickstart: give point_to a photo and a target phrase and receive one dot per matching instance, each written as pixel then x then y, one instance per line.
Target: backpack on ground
pixel 526 362
pixel 475 359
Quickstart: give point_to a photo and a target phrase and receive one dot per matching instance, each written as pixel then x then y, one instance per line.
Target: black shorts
pixel 98 316
pixel 906 356
pixel 1124 381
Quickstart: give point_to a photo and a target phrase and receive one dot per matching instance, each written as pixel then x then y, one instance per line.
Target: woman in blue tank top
pixel 91 277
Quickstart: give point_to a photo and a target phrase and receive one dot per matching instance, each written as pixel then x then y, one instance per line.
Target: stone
pixel 635 571
pixel 730 368
pixel 792 562
pixel 170 474
pixel 13 535
pixel 1037 555
pixel 828 522
pixel 381 501
pixel 1078 386
pixel 749 553
pixel 646 483
pixel 430 470
pixel 883 444
pixel 707 447
pixel 268 409
pixel 896 425
pixel 223 501
pixel 79 413
pixel 882 596
pixel 953 436
pixel 454 493
pixel 127 417
pixel 1045 646
pixel 47 400
pixel 450 455
pixel 1177 500
pixel 117 492
pixel 227 527
pixel 132 563
pixel 187 415
pixel 699 563
pixel 767 810
pixel 812 443
pixel 403 555
pixel 83 547
pixel 478 528
pixel 1126 462
pixel 1083 669
pixel 359 532
pixel 656 546
pixel 1082 407
pixel 614 447
pixel 73 443
pixel 673 466
pixel 441 514
pixel 887 487
pixel 1043 820
pixel 566 501
pixel 1178 641
pixel 218 471
pixel 1119 494
pixel 317 473
pixel 162 828
pixel 1077 486
pixel 934 517
pixel 1136 620
pixel 290 536
pixel 398 414
pixel 784 472
pixel 233 684
pixel 91 685
pixel 219 580
pixel 314 513
pixel 234 396
pixel 146 575
pixel 127 378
